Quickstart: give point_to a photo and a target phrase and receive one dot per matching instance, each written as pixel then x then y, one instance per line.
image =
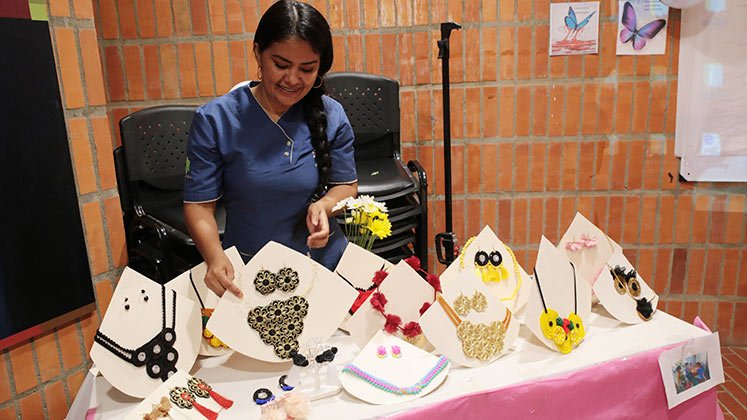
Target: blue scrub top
pixel 265 171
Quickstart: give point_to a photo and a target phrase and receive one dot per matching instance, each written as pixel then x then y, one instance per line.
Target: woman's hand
pixel 220 275
pixel 317 222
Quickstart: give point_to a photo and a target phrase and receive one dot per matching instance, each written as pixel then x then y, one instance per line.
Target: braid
pixel 316 118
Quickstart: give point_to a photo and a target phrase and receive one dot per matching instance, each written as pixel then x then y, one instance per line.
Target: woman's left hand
pixel 318 224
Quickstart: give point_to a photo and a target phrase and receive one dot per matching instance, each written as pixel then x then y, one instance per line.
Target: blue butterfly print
pixel 572 23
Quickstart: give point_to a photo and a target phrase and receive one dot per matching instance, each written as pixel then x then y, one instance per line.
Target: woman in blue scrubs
pixel 277 151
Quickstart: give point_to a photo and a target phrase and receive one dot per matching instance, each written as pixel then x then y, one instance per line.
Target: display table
pixel 613 374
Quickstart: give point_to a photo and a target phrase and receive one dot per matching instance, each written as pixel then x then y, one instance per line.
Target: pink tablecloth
pixel 628 388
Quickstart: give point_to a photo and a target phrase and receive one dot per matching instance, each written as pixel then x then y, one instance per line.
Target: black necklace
pixel 158 355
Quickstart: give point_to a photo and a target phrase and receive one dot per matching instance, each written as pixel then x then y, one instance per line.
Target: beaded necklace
pixel 565 333
pixel 391 388
pixel 158 355
pixel 206 313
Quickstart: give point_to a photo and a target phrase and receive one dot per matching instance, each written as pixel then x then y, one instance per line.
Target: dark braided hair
pixel 286 19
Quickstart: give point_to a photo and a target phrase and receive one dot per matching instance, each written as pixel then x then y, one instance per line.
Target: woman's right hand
pixel 220 276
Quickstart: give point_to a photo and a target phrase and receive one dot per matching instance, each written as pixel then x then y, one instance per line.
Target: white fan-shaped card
pixel 405 292
pixel 179 379
pixel 587 246
pixel 623 306
pixel 513 291
pixel 132 328
pixel 191 284
pixel 413 367
pixel 556 280
pixel 440 330
pixel 328 297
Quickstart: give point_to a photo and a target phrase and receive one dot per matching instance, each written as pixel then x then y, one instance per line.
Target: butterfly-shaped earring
pixel 631 32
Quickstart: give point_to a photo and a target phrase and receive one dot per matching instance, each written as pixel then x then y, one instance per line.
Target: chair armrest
pixel 415 166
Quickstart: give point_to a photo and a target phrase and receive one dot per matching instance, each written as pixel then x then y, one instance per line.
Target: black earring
pixel 145 297
pixel 127 305
pixel 298 359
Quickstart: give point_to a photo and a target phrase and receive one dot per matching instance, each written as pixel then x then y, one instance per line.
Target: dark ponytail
pixel 286 19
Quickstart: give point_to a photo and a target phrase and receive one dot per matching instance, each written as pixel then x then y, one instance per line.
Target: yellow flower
pixel 381 228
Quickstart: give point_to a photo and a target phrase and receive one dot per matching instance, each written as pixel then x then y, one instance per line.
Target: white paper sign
pixel 511 288
pixel 192 285
pixel 691 369
pixel 328 297
pixel 623 304
pixel 560 291
pixel 131 321
pixel 404 371
pixel 574 28
pixel 442 333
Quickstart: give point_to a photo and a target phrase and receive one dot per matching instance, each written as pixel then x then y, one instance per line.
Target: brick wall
pixel 590 133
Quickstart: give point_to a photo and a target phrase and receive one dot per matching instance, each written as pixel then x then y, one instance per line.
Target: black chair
pixel 372 105
pixel 150 168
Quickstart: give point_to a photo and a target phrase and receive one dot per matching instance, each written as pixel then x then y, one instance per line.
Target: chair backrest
pixel 120 168
pixel 155 145
pixel 372 105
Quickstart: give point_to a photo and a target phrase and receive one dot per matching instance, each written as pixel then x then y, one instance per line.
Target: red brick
pixel 506 112
pixel 536 207
pixel 700 218
pixel 238 64
pixel 616 214
pixel 539 127
pixel 679 265
pixel 541 53
pixel 22 363
pixel 556 110
pixel 109 26
pixel 82 156
pixel 505 166
pixel 671 108
pixel 604 160
pixel 519 218
pixel 522 160
pixel 730 280
pixel 736 208
pixel 424 127
pixel 69 346
pixel 503 228
pixel 590 109
pixel 663 270
pixel 114 73
pixel 586 166
pixel 490 53
pixel 473 218
pixel 538 167
pixel 146 19
pixel 684 219
pixel 474 168
pixel 506 62
pixel 198 9
pixel 665 224
pixel 624 104
pixel 96 243
pixel 490 115
pixel 557 67
pixel 355 53
pixel 134 72
pixel 67 57
pixel 422 60
pixel 217 14
pixel 523 110
pixel 607 101
pixel 5 394
pixel 74 382
pixel 554 171
pixel 92 67
pixel 31 406
pixel 233 14
pixel 648 220
pixel 524 53
pixel 569 155
pixel 56 8
pixel 352 13
pixel 725 318
pixel 695 268
pixel 457 166
pixel 507 11
pixel 127 25
pixel 373 53
pixel 714 264
pixel 47 356
pixel 490 160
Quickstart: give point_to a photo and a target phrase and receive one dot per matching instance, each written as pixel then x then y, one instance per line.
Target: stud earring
pixel 145 297
pixel 381 352
pixel 396 352
pixel 127 305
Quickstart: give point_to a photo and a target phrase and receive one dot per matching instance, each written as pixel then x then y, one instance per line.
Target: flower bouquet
pixel 365 220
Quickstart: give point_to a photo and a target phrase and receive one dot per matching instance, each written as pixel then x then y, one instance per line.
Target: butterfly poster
pixel 642 27
pixel 574 28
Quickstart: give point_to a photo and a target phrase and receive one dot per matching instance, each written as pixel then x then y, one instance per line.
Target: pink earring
pixel 396 352
pixel 381 352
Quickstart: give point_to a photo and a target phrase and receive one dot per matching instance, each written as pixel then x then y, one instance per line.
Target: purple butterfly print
pixel 630 29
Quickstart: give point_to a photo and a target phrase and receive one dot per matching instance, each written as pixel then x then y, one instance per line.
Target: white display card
pixel 587 247
pixel 358 266
pixel 692 368
pixel 403 371
pixel 442 333
pixel 512 290
pixel 196 290
pixel 179 379
pixel 328 296
pixel 134 327
pixel 556 279
pixel 405 291
pixel 622 306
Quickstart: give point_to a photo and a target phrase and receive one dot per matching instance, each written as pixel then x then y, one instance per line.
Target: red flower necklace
pixel 393 322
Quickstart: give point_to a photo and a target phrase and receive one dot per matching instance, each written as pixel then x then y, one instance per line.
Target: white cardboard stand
pixel 134 327
pixel 556 278
pixel 488 241
pixel 442 333
pixel 403 371
pixel 405 291
pixel 328 295
pixel 622 306
pixel 185 287
pixel 589 261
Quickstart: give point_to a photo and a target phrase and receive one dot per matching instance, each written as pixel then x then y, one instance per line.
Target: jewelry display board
pixel 191 284
pixel 288 298
pixel 147 333
pixel 492 328
pixel 506 280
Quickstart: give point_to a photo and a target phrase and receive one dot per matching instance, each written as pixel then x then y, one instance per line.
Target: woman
pixel 278 152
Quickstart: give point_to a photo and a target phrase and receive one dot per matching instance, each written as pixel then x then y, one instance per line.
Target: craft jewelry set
pixel 565 333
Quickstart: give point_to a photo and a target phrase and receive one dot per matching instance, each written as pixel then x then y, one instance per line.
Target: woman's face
pixel 289 70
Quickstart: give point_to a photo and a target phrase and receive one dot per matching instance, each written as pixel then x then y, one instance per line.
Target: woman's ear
pixel 256 54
